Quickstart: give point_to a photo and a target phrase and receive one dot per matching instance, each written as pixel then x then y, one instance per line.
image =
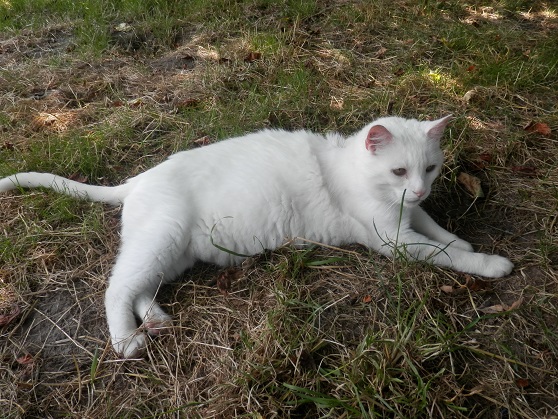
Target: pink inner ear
pixel 437 130
pixel 377 136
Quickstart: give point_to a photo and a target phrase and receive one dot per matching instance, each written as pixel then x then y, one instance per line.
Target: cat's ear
pixel 377 136
pixel 436 129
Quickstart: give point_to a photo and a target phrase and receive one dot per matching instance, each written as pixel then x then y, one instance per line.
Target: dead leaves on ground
pixel 478 285
pixel 471 183
pixel 500 308
pixel 471 284
pixel 226 277
pixel 252 56
pixel 10 316
pixel 538 128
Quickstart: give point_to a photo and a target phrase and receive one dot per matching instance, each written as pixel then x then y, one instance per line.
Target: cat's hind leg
pixel 152 253
pixel 154 319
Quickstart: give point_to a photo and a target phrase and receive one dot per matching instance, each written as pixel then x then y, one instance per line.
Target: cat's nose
pixel 420 193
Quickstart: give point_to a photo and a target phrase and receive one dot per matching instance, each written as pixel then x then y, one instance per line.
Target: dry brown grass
pixel 358 336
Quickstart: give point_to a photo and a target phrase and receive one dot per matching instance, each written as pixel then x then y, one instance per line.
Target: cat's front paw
pixel 132 346
pixel 496 266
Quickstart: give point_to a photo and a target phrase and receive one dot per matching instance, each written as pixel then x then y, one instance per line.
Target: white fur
pixel 256 192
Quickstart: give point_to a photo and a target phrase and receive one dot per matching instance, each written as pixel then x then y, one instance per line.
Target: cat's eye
pixel 430 168
pixel 399 172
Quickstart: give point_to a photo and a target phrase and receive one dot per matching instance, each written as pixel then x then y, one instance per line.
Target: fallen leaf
pixel 11 316
pixel 499 308
pixel 470 95
pixel 45 119
pixel 516 304
pixel 248 263
pixel 25 360
pixel 381 52
pixel 252 56
pixel 487 157
pixel 471 183
pixel 136 103
pixel 538 128
pixel 8 145
pixel 471 68
pixel 78 178
pixel 477 284
pixel 123 27
pixel 481 162
pixel 205 140
pixel 448 289
pixel 226 277
pixel 367 299
pixel 525 170
pixel 522 382
pixel 336 103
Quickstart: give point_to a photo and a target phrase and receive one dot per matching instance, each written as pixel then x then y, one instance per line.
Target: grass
pixel 100 91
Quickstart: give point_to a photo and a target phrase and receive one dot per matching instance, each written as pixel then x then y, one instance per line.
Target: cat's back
pixel 261 152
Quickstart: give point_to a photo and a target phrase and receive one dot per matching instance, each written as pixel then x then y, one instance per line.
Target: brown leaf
pixel 470 95
pixel 448 289
pixel 525 170
pixel 477 284
pixel 367 299
pixel 522 382
pixel 471 68
pixel 25 360
pixel 8 145
pixel 205 140
pixel 381 52
pixel 11 316
pixel 226 277
pixel 136 103
pixel 516 304
pixel 187 103
pixel 471 183
pixel 487 157
pixel 78 178
pixel 499 308
pixel 252 56
pixel 538 128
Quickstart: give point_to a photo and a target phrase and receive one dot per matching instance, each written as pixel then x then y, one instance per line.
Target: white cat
pixel 256 192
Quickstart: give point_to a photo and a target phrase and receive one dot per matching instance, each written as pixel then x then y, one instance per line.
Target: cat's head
pixel 405 157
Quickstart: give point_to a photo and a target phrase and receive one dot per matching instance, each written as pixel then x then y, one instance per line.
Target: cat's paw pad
pixel 497 266
pixel 132 346
pixel 462 245
pixel 158 326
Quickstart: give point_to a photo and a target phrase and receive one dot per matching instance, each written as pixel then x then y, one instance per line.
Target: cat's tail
pixel 110 194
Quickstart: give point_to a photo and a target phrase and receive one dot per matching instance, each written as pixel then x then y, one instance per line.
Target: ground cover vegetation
pixel 100 90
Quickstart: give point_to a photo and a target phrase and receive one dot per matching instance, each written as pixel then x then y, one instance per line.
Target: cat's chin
pixel 412 203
